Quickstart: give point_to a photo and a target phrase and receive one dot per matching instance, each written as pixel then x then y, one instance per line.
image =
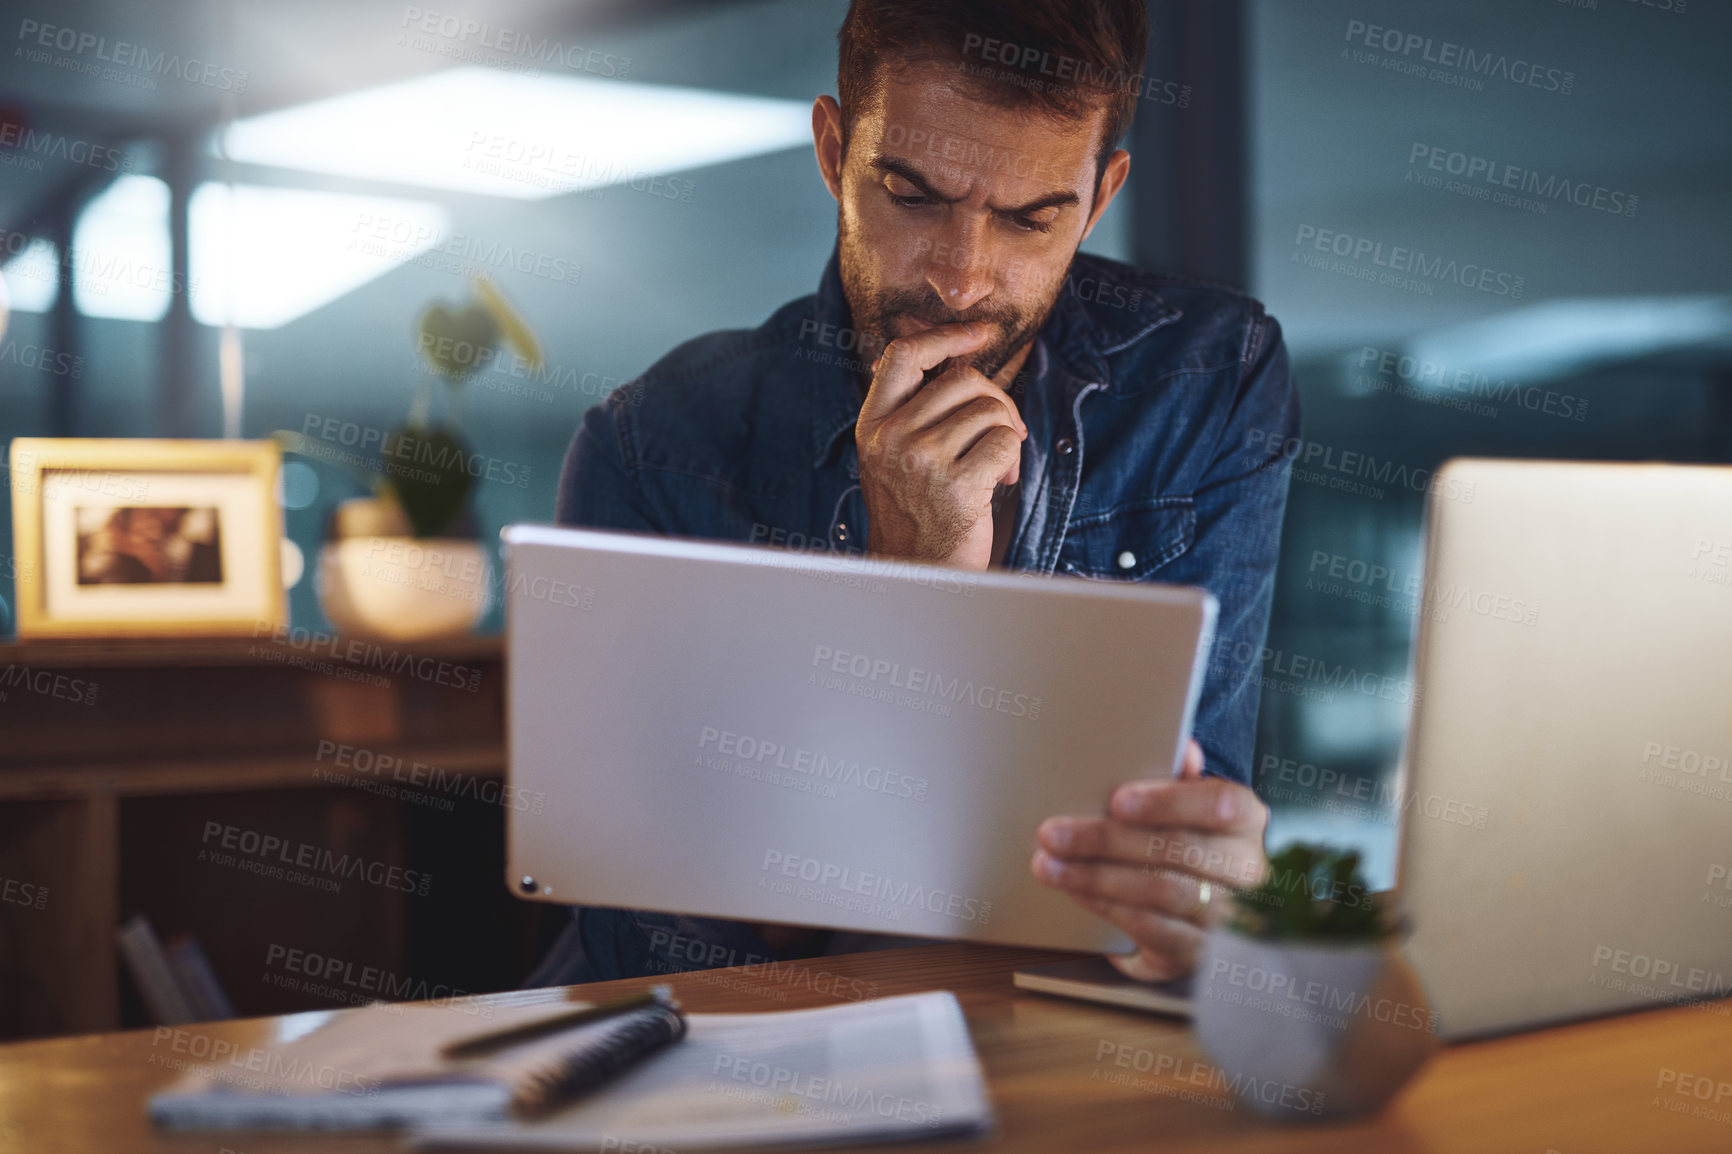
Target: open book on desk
pixel 870 1071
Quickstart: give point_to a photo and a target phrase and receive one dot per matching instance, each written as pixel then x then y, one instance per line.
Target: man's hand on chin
pixel 933 453
pixel 1143 867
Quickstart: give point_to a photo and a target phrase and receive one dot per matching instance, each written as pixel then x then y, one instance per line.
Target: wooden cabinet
pixel 327 819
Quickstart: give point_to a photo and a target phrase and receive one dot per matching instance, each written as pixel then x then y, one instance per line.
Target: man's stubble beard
pixel 873 309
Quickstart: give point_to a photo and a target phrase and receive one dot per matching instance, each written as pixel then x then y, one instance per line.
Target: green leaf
pixel 456 342
pixel 1313 892
pixel 292 442
pixel 429 470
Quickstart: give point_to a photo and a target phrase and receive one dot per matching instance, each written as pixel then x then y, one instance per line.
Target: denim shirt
pixel 1157 408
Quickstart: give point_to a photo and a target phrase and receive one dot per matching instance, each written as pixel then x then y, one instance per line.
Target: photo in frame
pixel 134 538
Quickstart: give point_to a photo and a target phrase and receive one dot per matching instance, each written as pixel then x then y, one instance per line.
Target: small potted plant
pixel 404 564
pixel 1303 997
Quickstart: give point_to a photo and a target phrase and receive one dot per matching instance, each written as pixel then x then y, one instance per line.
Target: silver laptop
pixel 1567 839
pixel 775 736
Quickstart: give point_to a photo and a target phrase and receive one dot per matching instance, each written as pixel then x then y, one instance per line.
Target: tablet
pixel 775 736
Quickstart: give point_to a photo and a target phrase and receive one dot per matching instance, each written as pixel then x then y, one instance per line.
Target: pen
pixel 491 1039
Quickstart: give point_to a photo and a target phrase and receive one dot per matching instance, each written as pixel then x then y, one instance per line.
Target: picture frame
pixel 120 537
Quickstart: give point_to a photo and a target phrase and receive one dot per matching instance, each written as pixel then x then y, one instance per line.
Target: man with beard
pixel 966 390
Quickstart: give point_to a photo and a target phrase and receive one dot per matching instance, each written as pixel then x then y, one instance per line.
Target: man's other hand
pixel 1144 866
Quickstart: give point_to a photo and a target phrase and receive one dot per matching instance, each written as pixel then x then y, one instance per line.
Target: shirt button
pixel 1066 446
pixel 841 530
pixel 1127 559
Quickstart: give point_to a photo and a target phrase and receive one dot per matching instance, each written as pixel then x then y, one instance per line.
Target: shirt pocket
pixel 1131 542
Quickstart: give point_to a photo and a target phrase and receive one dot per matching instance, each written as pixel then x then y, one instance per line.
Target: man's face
pixel 952 209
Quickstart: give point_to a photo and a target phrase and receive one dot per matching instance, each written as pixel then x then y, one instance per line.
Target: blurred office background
pixel 230 213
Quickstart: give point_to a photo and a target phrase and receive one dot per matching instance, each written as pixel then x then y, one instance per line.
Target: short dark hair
pixel 1064 58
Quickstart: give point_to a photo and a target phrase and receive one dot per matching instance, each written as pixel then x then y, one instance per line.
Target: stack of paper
pixel 895 1068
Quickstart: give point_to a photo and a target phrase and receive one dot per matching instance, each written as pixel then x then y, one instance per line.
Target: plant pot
pixel 403 588
pixel 375 580
pixel 1307 1030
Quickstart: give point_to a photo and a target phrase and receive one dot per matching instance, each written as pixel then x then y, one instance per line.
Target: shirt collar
pixel 1084 337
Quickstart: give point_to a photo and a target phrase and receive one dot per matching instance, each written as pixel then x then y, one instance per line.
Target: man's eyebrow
pixel 908 172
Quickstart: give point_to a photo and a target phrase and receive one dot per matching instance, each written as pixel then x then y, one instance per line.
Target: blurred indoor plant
pixel 1303 998
pixel 404 564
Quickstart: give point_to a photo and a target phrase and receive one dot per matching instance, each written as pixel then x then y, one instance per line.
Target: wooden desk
pixel 1589 1087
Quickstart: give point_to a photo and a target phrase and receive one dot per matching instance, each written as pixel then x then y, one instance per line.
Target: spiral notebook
pixel 384 1067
